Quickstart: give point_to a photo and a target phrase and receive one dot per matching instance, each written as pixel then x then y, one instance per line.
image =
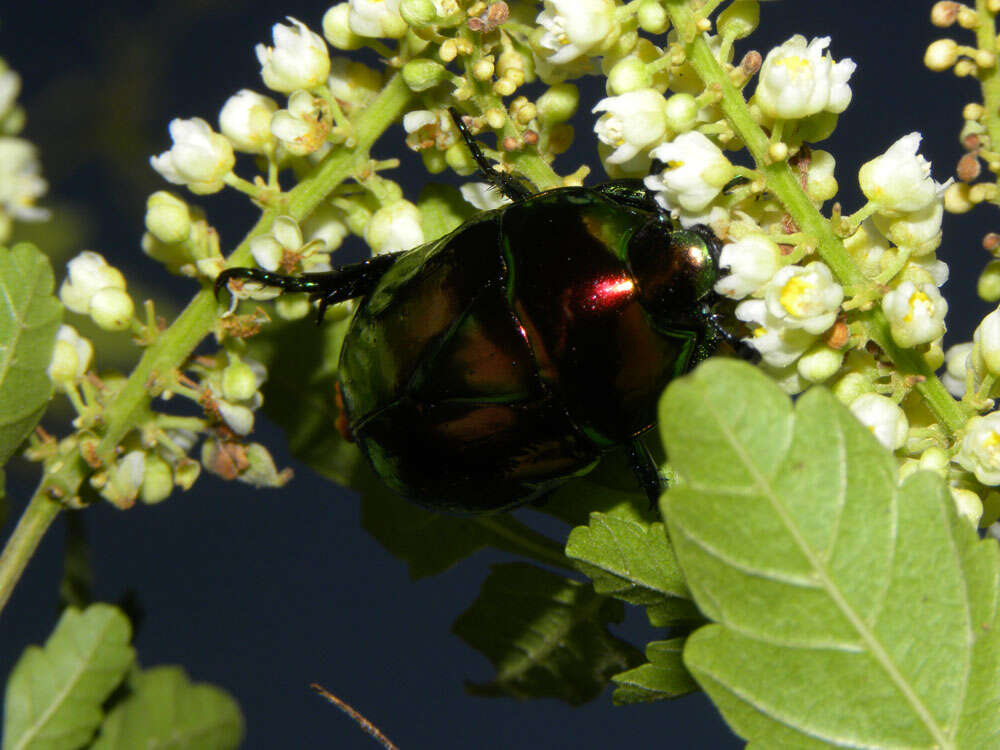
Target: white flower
pixel 353 83
pixel 327 225
pixel 956 360
pixel 87 274
pixel 917 231
pixel 926 267
pixel 574 28
pixel 632 122
pixel 806 298
pixel 696 171
pixel 778 344
pixel 867 247
pixel 821 185
pixel 284 240
pixel 298 60
pixel 980 449
pixel 968 504
pixel 394 227
pixel 987 342
pixel 21 182
pixel 245 119
pixel 798 80
pixel 751 261
pixel 483 196
pixel 900 179
pixel 238 418
pixel 916 315
pixel 883 417
pixel 70 357
pixel 303 127
pixel 376 18
pixel 199 158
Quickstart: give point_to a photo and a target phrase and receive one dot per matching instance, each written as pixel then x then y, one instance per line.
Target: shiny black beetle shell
pixel 485 368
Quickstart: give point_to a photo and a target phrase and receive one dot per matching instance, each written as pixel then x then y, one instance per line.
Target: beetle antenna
pixel 743 350
pixel 506 183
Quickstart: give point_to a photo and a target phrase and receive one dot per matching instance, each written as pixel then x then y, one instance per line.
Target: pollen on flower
pixel 794 296
pixel 921 300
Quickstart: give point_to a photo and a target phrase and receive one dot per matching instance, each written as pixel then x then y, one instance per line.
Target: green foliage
pixel 54 694
pixel 848 610
pixel 166 710
pixel 546 635
pixel 663 677
pixel 633 561
pixel 442 210
pixel 29 319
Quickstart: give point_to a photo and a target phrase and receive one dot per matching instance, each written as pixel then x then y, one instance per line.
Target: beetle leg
pixel 742 348
pixel 506 183
pixel 330 287
pixel 645 471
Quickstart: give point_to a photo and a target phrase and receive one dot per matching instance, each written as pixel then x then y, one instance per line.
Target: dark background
pixel 264 592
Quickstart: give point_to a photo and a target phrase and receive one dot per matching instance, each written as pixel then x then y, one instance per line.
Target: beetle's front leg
pixel 645 470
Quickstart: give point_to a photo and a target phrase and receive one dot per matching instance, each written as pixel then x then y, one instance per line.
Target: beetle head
pixel 675 269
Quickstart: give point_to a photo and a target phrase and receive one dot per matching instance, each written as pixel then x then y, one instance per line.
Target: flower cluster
pixel 21 181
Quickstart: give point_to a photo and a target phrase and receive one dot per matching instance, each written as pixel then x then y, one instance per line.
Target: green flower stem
pixel 30 529
pixel 509 534
pixel 989 79
pixel 786 187
pixel 63 479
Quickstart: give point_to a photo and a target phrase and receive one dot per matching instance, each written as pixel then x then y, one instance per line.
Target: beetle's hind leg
pixel 645 470
pixel 330 287
pixel 506 183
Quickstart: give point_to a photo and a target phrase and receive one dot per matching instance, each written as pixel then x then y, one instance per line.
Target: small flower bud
pixel 261 471
pixel 968 505
pixel 87 273
pixel 943 14
pixel 293 307
pixel 394 227
pixel 186 472
pixel 935 459
pixel 111 309
pixel 682 113
pixel 629 74
pixel 883 417
pixel 245 119
pixel 941 54
pixel 238 418
pixel 418 14
pixel 967 18
pixel 298 60
pixel 850 386
pixel 987 342
pixel 70 357
pixel 352 83
pixel 125 479
pixel 820 363
pixel 652 17
pixel 337 29
pixel 988 286
pixel 739 20
pixel 459 159
pixel 167 217
pixel 820 182
pixel 238 381
pixel 956 360
pixel 422 74
pixel 558 103
pixel 157 481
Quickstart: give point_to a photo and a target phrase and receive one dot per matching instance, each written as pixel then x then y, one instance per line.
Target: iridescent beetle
pixel 485 368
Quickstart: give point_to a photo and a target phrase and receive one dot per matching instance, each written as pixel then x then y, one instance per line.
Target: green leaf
pixel 633 561
pixel 849 611
pixel 55 692
pixel 300 396
pixel 546 635
pixel 663 677
pixel 166 710
pixel 29 319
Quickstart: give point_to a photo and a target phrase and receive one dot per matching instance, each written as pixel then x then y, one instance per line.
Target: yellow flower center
pixel 794 296
pixel 921 301
pixel 795 65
